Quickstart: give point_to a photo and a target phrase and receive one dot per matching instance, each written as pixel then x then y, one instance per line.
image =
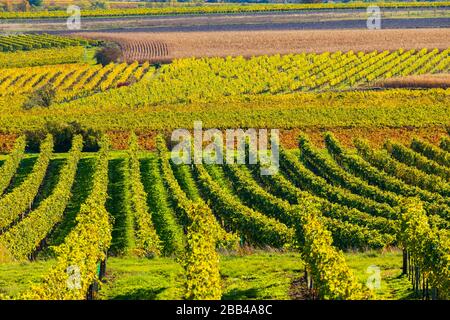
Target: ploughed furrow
pixel 147 50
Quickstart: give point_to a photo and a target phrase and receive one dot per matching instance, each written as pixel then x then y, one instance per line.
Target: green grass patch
pixel 393 285
pixel 260 275
pixel 167 226
pixel 118 205
pixel 16 278
pixel 142 279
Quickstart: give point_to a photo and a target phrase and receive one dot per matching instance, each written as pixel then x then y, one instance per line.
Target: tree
pixel 111 52
pixel 42 97
pixel 63 134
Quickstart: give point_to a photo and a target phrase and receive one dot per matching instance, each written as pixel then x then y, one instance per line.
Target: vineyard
pixel 259 75
pixel 71 78
pixel 95 204
pixel 218 9
pixel 30 42
pixel 287 91
pixel 41 57
pixel 356 199
pixel 218 78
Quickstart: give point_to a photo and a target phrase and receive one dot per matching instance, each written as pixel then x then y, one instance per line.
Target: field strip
pixel 253 43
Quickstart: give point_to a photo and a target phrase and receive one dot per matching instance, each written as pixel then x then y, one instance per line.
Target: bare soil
pixel 288 138
pixel 422 81
pixel 137 45
pixel 393 18
pixel 299 290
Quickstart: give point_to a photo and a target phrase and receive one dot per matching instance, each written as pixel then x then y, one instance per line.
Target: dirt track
pixel 310 20
pixel 249 43
pixel 207 24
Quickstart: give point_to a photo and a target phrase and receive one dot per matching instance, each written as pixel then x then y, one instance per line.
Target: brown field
pixel 422 81
pixel 375 136
pixel 288 138
pixel 251 43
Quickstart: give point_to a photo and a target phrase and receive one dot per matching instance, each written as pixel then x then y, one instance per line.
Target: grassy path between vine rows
pixel 259 275
pixel 80 190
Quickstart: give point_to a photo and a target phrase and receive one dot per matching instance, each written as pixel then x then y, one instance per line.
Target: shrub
pixel 63 134
pixel 111 52
pixel 99 4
